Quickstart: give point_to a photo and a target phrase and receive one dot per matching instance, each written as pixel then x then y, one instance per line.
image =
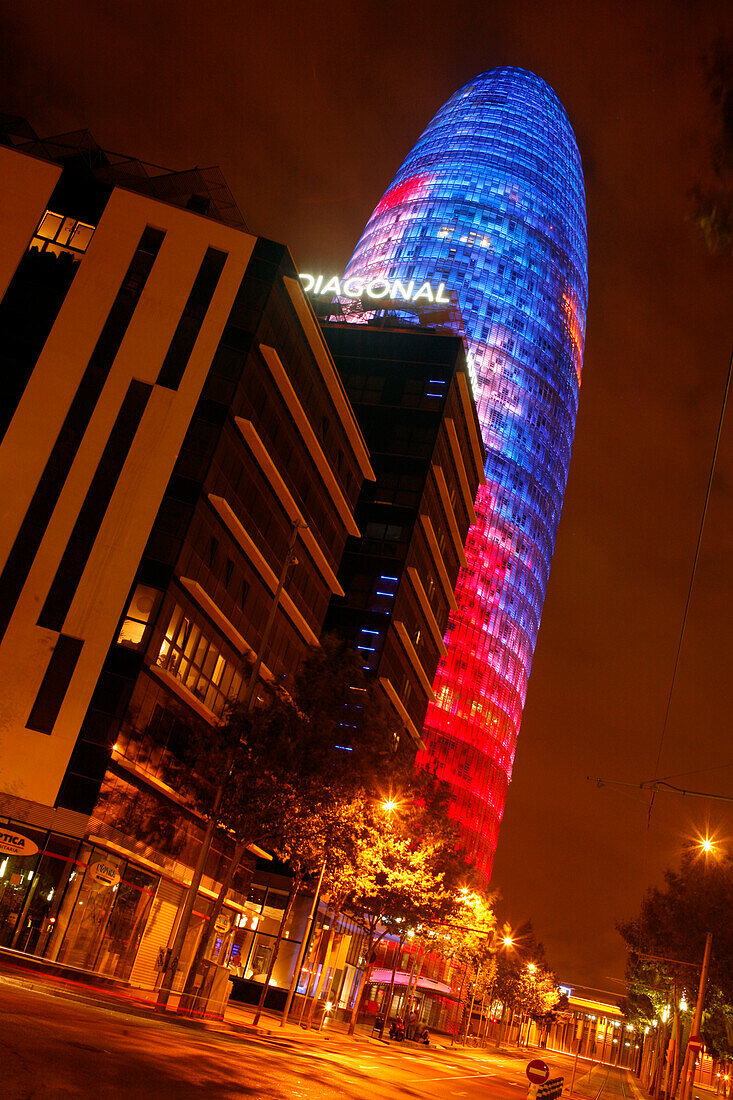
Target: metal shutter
pixel 157 933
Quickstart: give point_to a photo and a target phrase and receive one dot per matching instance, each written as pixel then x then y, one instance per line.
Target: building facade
pixel 490 202
pixel 173 415
pixel 412 397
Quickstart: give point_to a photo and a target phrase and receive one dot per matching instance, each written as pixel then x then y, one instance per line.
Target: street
pixel 53 1046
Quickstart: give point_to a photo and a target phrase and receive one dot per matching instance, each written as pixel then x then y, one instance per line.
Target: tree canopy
pixel 666 941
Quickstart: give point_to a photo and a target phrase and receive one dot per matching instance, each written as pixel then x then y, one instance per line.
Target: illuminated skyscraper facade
pixel 491 202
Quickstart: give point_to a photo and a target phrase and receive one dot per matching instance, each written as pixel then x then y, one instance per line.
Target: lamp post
pixel 688 1070
pixel 174 954
pixel 506 941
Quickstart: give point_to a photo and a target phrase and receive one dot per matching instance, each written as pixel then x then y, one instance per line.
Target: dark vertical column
pixel 53 478
pixel 94 508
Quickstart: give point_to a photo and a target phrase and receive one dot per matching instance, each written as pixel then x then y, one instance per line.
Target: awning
pixel 427 985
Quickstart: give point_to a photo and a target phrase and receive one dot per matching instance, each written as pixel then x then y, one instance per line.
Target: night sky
pixel 309 110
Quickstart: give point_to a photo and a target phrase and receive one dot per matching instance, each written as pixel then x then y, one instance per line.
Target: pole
pixel 470 1011
pixel 688 1071
pixel 460 1002
pixel 305 943
pixel 174 954
pixel 577 1054
pixel 390 995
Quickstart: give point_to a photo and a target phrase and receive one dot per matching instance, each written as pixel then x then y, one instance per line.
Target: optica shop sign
pixel 15 844
pixel 106 874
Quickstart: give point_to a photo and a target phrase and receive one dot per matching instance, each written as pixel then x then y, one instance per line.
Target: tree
pixel 524 982
pixel 666 942
pixel 289 776
pixel 416 867
pixel 469 937
pixel 712 197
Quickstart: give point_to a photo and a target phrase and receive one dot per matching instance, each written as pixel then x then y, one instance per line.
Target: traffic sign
pixel 694 1043
pixel 538 1071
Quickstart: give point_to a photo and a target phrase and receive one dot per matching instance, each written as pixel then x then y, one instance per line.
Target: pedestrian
pixel 412 1021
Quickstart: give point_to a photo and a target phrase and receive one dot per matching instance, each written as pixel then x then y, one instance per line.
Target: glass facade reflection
pixel 491 202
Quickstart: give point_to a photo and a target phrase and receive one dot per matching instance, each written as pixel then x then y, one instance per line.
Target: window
pixel 189 655
pixel 137 617
pixel 243 594
pixel 58 234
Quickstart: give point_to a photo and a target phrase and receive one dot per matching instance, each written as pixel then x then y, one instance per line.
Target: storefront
pixel 71 901
pixel 35 868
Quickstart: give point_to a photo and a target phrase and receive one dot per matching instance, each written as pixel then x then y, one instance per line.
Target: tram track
pixel 613 1086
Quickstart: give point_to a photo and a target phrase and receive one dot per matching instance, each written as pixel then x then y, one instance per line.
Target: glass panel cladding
pixel 491 202
pixel 189 326
pixel 193 658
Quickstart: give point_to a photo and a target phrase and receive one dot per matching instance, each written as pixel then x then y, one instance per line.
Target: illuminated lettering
pixel 426 292
pixel 404 292
pixel 372 293
pixel 353 288
pixel 377 289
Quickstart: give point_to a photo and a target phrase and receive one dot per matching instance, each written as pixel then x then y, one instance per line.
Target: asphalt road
pixel 52 1046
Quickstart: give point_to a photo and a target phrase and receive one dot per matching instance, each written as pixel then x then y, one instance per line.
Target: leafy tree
pixel 288 785
pixel 416 869
pixel 666 941
pixel 524 982
pixel 712 197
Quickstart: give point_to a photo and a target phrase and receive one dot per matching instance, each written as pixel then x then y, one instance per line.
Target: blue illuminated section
pixel 491 202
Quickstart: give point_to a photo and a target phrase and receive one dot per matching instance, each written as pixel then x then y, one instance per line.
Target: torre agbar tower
pixel 491 202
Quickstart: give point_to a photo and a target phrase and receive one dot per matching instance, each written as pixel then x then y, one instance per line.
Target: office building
pixel 411 394
pixel 490 202
pixel 172 412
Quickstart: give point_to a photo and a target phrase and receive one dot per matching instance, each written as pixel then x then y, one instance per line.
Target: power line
pixel 689 590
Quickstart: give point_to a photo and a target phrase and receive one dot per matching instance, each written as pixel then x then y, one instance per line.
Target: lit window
pixel 58 235
pixel 197 661
pixel 138 615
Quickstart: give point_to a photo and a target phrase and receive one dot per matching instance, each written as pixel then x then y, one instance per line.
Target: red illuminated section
pixel 574 329
pixel 407 191
pixel 471 728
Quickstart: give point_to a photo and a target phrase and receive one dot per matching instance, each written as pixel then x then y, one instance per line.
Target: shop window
pixel 137 616
pixel 17 873
pixel 107 912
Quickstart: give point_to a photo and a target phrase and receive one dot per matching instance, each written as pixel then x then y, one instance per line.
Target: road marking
pixel 458 1077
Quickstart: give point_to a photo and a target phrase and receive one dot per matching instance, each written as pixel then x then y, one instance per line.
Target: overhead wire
pixel 688 600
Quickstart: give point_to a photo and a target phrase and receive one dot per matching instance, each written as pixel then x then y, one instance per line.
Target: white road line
pixel 457 1077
